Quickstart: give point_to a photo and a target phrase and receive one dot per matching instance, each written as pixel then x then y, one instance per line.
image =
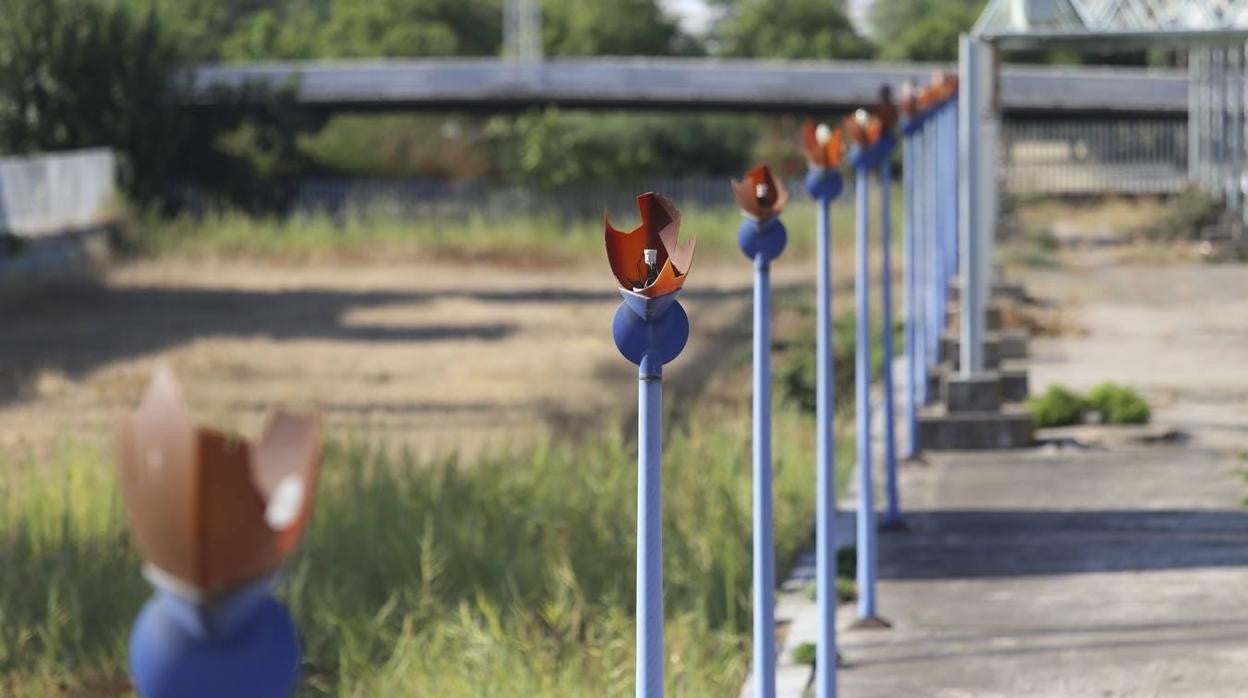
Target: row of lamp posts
pixel 215 519
pixel 651 328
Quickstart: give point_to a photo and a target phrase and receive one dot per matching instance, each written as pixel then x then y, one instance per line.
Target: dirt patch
pixel 433 357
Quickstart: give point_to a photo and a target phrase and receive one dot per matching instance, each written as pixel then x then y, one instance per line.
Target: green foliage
pixel 614 28
pixel 1057 407
pixel 922 30
pixel 86 73
pixel 789 29
pixel 507 576
pixel 805 653
pixel 551 147
pixel 1118 404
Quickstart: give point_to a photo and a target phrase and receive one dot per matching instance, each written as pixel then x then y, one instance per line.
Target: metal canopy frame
pixel 1215 33
pixel 1170 22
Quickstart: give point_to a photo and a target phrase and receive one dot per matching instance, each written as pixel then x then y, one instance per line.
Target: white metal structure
pixel 1214 31
pixel 56 193
pixel 1098 18
pixel 522 30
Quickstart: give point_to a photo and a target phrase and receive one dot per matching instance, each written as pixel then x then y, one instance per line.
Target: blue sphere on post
pixel 761 198
pixel 215 519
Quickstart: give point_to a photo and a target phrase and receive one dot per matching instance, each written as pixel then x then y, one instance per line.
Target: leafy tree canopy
pixel 922 30
pixel 789 29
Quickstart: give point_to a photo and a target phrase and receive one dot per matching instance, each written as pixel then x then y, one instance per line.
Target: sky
pixel 696 16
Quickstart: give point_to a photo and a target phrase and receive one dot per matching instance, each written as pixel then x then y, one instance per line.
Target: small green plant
pixel 1060 406
pixel 1119 404
pixel 805 653
pixel 1057 407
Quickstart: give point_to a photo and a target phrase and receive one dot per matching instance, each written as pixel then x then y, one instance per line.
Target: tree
pixel 550 147
pixel 612 28
pixel 922 30
pixel 789 29
pixel 85 73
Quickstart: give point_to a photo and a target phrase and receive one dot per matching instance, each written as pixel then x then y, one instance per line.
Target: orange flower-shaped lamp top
pixel 823 145
pixel 650 259
pixel 862 128
pixel 210 513
pixel 760 195
pixel 943 86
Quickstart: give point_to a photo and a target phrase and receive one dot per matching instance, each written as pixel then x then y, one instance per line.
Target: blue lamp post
pixel 650 329
pixel 762 238
pixel 214 522
pixel 823 182
pixel 869 146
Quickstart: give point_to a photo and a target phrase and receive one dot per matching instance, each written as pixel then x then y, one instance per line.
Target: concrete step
pixel 992 316
pixel 942 430
pixel 1015 384
pixel 999 345
pixel 977 393
pixel 1000 289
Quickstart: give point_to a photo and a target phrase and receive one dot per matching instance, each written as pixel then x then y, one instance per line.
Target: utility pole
pixel 522 30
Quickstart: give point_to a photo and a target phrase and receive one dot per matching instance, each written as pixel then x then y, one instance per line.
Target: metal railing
pixel 56 192
pixel 1108 156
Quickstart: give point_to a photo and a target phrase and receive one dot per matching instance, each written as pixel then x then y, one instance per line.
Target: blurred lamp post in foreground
pixel 762 238
pixel 214 518
pixel 823 146
pixel 650 329
pixel 870 145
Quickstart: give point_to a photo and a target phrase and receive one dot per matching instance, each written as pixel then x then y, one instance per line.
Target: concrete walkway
pixel 1068 572
pixel 1102 568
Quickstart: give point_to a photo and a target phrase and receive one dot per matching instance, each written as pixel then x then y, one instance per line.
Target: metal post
pixel 862 402
pixel 824 183
pixel 1193 115
pixel 650 329
pixel 762 238
pixel 825 505
pixel 910 300
pixel 764 547
pixel 649 530
pixel 892 516
pixel 970 69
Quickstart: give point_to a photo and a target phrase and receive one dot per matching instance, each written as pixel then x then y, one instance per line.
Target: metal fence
pixel 1126 155
pixel 431 199
pixel 56 193
pixel 1106 156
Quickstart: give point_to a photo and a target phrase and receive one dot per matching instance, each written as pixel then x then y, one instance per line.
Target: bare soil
pixel 438 358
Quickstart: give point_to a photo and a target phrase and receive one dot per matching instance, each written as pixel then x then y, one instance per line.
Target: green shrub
pixel 805 653
pixel 1192 211
pixel 1057 407
pixel 1118 404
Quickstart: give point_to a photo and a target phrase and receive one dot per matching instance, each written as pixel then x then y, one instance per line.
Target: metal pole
pixel 825 446
pixel 911 304
pixel 862 405
pixel 764 548
pixel 892 517
pixel 970 91
pixel 650 656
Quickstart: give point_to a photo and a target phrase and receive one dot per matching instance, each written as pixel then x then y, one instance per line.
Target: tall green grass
pixel 379 233
pixel 511 576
